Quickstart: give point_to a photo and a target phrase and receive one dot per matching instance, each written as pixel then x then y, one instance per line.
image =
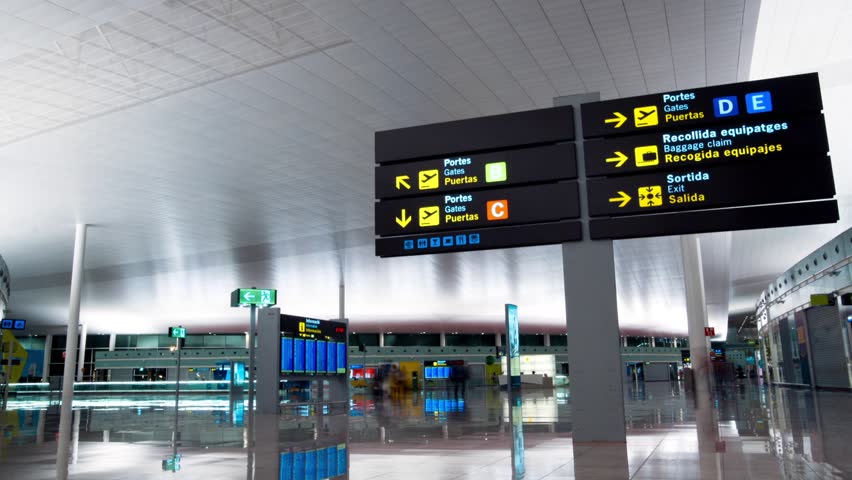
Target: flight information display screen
pixel 322 359
pixel 286 354
pixel 299 355
pixel 313 346
pixel 310 356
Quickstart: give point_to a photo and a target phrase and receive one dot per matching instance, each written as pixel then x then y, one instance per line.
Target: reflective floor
pixel 750 432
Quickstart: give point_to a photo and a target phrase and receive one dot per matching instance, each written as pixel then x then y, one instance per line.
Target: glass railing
pixel 186 386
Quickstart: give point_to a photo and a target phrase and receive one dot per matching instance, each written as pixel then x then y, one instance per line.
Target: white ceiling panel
pixel 216 143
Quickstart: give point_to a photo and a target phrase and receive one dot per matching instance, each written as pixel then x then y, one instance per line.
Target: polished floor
pixel 747 431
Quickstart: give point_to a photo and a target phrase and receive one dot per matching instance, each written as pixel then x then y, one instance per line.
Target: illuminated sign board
pixel 490 182
pixel 729 157
pixel 484 170
pixel 511 130
pixel 514 340
pixel 312 346
pixel 244 297
pixel 721 186
pixel 13 324
pixel 177 332
pixel 738 102
pixel 497 207
pixel 482 239
pixel 752 140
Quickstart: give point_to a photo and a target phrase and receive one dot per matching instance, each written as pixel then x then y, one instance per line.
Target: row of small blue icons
pixel 446 241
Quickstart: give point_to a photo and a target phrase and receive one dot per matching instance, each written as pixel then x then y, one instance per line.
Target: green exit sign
pixel 177 332
pixel 244 297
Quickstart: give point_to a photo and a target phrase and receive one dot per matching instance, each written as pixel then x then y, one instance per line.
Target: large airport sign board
pixel 721 158
pixel 492 182
pixel 700 155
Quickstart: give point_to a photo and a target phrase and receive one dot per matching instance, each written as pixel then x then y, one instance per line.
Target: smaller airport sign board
pixel 13 324
pixel 486 170
pixel 246 297
pixel 750 140
pixel 789 96
pixel 477 209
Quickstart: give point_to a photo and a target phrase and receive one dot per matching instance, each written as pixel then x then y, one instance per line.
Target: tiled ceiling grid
pixel 211 139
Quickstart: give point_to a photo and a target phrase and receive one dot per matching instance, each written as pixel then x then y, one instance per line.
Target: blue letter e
pixel 758 102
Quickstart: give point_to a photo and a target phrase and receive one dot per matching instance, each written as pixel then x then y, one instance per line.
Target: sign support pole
pixel 177 396
pixel 8 375
pixel 594 346
pixel 64 441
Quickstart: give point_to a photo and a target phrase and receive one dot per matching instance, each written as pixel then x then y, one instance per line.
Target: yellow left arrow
pixel 623 198
pixel 402 181
pixel 403 220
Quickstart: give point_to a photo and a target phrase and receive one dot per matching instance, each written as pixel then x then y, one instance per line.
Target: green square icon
pixel 495 172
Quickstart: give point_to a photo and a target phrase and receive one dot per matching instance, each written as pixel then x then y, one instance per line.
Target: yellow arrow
pixel 401 180
pixel 403 220
pixel 618 119
pixel 622 197
pixel 619 157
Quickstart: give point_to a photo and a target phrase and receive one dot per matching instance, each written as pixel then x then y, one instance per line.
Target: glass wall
pixel 412 339
pixel 469 340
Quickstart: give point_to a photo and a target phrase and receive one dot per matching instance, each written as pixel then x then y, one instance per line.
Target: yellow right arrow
pixel 618 119
pixel 622 197
pixel 403 220
pixel 619 157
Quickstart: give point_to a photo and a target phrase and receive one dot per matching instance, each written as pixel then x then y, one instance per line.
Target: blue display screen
pixel 298 465
pixel 286 354
pixel 341 459
pixel 310 356
pixel 310 465
pixel 322 351
pixel 341 357
pixel 285 471
pixel 322 463
pixel 331 358
pixel 331 457
pixel 299 355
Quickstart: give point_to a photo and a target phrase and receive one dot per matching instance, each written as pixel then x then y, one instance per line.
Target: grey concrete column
pixel 381 339
pixel 498 340
pixel 65 417
pixel 248 341
pixel 81 357
pixel 48 346
pixel 594 349
pixel 674 342
pixel 443 340
pixel 624 342
pixel 112 338
pixel 696 311
pixel 653 342
pixel 546 339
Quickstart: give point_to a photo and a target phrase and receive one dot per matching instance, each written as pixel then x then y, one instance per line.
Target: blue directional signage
pixel 13 324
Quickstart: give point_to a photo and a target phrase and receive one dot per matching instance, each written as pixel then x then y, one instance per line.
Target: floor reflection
pixel 756 432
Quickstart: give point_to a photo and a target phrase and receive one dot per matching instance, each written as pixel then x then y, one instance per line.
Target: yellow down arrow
pixel 403 220
pixel 622 197
pixel 618 119
pixel 402 180
pixel 619 157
